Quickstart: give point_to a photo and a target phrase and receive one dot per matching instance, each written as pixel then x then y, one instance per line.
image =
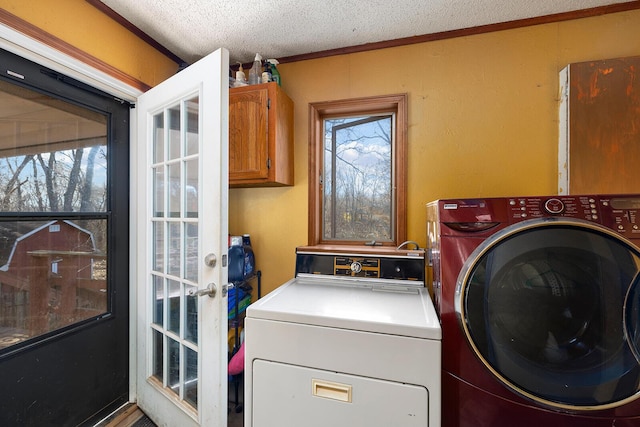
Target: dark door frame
pixel 77 375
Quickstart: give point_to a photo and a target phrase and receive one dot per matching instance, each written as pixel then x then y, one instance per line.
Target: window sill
pixel 361 249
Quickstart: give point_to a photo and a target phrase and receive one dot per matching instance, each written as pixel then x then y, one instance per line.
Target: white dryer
pixel 352 340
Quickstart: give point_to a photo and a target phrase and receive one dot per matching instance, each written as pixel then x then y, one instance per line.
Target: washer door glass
pixel 542 305
pixel 632 317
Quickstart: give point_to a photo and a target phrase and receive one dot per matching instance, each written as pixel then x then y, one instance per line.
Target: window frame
pixel 318 111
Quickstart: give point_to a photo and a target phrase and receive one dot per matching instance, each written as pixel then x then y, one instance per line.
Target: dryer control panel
pixel 362 266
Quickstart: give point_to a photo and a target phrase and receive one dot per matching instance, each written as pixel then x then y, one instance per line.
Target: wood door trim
pixel 56 43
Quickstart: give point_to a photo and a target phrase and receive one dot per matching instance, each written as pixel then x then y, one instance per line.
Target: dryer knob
pixel 554 206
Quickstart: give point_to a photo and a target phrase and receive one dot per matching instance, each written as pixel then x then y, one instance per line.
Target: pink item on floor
pixel 236 364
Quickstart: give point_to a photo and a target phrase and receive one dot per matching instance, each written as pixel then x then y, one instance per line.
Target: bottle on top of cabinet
pixel 240 79
pixel 255 73
pixel 273 70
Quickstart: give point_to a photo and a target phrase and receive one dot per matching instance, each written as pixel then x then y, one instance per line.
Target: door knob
pixel 210 260
pixel 209 290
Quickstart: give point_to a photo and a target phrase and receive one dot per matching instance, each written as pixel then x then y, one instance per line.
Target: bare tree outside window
pixel 357 178
pixel 53 214
pixel 72 180
pixel 357 171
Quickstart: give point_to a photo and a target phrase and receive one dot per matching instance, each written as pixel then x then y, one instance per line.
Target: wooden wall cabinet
pixel 260 136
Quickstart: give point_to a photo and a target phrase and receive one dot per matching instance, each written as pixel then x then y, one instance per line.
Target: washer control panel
pixel 569 206
pixel 621 213
pixel 554 206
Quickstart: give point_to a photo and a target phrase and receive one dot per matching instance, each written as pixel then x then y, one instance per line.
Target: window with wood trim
pixel 357 171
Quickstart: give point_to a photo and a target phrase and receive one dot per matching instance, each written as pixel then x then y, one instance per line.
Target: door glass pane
pixel 53 155
pixel 191 379
pixel 174 132
pixel 191 316
pixel 175 232
pixel 158 246
pixel 158 138
pixel 158 192
pixel 174 189
pixel 53 274
pixel 174 243
pixel 157 367
pixel 191 252
pixel 174 366
pixel 158 305
pixel 53 163
pixel 191 199
pixel 174 306
pixel 193 132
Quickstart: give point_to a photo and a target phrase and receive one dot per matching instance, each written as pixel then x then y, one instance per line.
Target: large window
pixel 357 165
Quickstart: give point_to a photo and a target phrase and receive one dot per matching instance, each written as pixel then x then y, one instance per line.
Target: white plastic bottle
pixel 255 73
pixel 241 80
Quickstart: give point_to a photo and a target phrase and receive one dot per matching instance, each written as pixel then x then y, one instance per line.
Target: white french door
pixel 181 234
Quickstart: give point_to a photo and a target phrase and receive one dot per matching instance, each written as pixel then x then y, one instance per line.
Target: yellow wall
pixel 483 121
pixel 483 110
pixel 85 27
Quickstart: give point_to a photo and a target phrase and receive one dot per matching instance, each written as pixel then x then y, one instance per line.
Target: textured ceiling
pixel 282 28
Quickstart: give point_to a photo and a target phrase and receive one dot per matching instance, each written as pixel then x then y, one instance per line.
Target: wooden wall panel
pixel 604 126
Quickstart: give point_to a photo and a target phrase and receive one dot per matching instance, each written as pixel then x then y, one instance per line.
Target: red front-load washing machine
pixel 539 302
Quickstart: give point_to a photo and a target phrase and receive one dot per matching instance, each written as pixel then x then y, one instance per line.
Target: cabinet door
pixel 260 136
pixel 248 143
